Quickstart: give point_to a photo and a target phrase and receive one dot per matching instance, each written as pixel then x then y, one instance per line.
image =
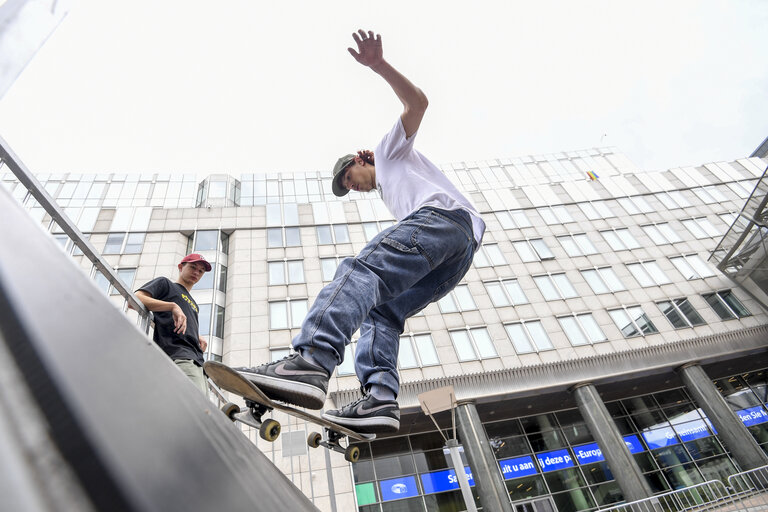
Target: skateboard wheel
pixel 230 409
pixel 269 430
pixel 352 453
pixel 314 440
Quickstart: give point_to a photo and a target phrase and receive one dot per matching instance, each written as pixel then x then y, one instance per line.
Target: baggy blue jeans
pixel 397 274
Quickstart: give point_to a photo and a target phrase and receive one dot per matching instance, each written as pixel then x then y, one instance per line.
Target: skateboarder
pixel 176 325
pixel 398 273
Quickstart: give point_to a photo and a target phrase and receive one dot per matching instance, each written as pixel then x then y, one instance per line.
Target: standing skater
pixel 176 323
pixel 398 273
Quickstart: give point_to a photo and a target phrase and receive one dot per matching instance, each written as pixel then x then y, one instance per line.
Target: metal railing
pixel 9 159
pixel 747 490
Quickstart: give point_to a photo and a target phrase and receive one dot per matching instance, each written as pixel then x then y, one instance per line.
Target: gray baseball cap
pixel 341 164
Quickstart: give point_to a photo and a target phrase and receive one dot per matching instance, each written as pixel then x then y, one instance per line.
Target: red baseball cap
pixel 191 258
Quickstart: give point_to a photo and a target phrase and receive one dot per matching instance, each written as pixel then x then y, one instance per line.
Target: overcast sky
pixel 241 86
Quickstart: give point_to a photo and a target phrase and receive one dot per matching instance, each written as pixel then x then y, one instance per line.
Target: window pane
pixel 295 272
pixel 483 342
pixel 699 265
pixel 222 279
pixel 541 248
pixel 640 274
pixel 595 282
pixel 494 254
pixel 613 240
pixel 126 275
pixel 204 319
pixel 274 237
pixel 622 321
pixel 669 233
pixel 685 269
pixel 370 229
pixel 694 228
pixel 525 251
pixel 521 219
pixel 505 219
pixel 426 349
pixel 278 315
pixel 207 240
pixel 464 297
pixel 672 315
pixel 114 243
pixel 572 330
pixel 480 260
pixel 539 335
pixel 342 235
pixel 276 272
pixel 406 358
pixel 593 330
pixel 656 273
pixel 734 303
pixel 498 297
pixel 206 282
pixel 587 247
pixel 292 237
pixel 519 338
pixel 328 267
pixel 569 244
pixel 218 322
pixel 722 311
pixel 564 285
pixel 642 320
pixel 515 292
pixel 134 243
pixel 298 312
pixel 463 346
pixel 324 235
pixel 627 238
pixel 347 367
pixel 613 281
pixel 447 304
pixel 687 310
pixel 546 287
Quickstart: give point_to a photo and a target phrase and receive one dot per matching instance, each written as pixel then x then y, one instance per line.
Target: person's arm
pixel 369 53
pixel 152 304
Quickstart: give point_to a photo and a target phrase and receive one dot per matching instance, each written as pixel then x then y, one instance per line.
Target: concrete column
pixel 730 429
pixel 623 466
pixel 485 469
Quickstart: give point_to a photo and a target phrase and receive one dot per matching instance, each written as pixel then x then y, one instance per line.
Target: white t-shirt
pixel 407 181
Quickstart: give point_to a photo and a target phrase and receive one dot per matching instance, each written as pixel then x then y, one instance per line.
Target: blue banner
pixel 554 460
pixel 588 453
pixel 517 467
pixel 446 480
pixel 398 488
pixel 753 416
pixel 692 430
pixel 634 444
pixel 660 437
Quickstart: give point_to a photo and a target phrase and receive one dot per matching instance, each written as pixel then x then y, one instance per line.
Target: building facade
pixel 593 346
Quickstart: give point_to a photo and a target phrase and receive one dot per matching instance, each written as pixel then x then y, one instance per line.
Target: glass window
pixel 648 273
pixel 459 299
pixel 299 310
pixel 506 292
pixel 278 315
pixel 661 234
pixel 577 245
pixel 620 239
pixel 488 256
pixel 204 319
pixel 206 281
pixel 114 243
pixel 134 243
pixel 347 366
pixel 555 286
pixel 341 233
pixel 581 329
pixel 726 305
pixel 324 236
pixel 126 275
pixel 691 266
pixel 328 268
pixel 524 250
pixel 207 240
pixel 292 237
pixel 469 343
pixel 276 272
pixel 701 228
pixel 528 336
pixel 632 321
pixel 417 351
pixel 222 278
pixel 274 237
pixel 680 313
pixel 218 322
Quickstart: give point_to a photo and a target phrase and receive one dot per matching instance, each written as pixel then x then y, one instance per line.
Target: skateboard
pixel 258 404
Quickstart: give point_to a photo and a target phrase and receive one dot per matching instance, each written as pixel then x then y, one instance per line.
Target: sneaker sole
pixel 374 425
pixel 288 391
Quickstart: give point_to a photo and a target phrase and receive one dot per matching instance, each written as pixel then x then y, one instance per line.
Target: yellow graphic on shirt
pixel 190 302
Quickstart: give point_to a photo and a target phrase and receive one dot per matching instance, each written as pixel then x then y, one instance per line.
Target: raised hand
pixel 369 52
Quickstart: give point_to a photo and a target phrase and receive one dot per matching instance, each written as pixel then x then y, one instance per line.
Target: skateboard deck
pixel 259 404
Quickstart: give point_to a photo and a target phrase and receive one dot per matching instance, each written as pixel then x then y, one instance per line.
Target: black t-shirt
pixel 177 346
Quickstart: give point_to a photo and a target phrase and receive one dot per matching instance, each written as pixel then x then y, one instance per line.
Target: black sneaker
pixel 292 379
pixel 368 415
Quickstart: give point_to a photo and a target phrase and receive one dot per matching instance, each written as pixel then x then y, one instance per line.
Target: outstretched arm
pixel 369 53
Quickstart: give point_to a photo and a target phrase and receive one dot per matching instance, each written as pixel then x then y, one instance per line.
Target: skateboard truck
pixel 269 429
pixel 331 440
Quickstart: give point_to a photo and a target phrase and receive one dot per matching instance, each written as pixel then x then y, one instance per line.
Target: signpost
pixel 444 399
